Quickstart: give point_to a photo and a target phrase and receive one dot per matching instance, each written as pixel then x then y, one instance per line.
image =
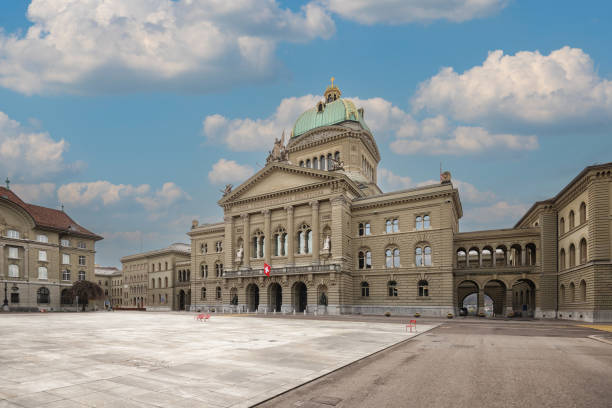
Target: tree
pixel 86 290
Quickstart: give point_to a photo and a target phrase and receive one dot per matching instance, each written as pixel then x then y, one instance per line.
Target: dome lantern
pixel 332 92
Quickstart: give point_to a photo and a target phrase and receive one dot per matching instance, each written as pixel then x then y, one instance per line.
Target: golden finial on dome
pixel 332 92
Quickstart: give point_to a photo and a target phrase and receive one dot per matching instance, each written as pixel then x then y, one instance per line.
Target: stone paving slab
pixel 136 359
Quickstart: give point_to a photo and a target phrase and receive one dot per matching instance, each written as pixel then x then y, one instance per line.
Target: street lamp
pixel 5 303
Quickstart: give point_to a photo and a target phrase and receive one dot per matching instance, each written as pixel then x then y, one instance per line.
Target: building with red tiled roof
pixel 43 251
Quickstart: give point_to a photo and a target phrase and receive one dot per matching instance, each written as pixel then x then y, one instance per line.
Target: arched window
pixel 392 288
pixel 81 275
pixel 304 239
pixel 259 242
pixel 42 296
pixel 308 163
pixel 582 213
pixel 337 157
pixel 218 269
pixel 583 251
pixel 562 226
pixel 159 281
pixel 572 292
pixel 419 223
pixel 423 288
pixel 571 220
pixel 329 161
pixel 388 226
pixel 572 256
pixel 315 163
pixel 204 248
pixel 301 163
pixel 218 292
pixel 166 282
pixel 152 267
pixel 562 259
pixel 166 266
pixel 461 258
pixel 280 242
pixel 418 256
pixel 204 271
pixel 426 222
pixel 392 258
pixel 322 162
pixel 582 288
pixel 365 259
pixel 427 253
pixel 203 294
pixel 365 289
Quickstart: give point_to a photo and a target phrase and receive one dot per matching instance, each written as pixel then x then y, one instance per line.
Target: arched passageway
pixel 252 293
pixel 300 297
pixel 524 297
pixel 181 300
pixel 275 297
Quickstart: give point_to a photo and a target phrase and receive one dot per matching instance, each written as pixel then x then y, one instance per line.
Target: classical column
pixel 290 237
pixel 509 300
pixel 481 302
pixel 246 262
pixel 480 258
pixel 508 253
pixel 3 271
pixel 26 257
pixel 337 228
pixel 267 235
pixel 228 245
pixel 523 255
pixel 493 258
pixel 316 239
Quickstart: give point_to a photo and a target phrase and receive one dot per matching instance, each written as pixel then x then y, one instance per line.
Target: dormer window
pixel 320 106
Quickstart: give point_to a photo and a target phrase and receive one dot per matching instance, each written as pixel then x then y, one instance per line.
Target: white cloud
pixel 498 215
pixel 27 154
pixel 104 193
pixel 117 45
pixel 527 87
pixel 227 171
pixel 463 140
pixel 163 198
pixel 408 11
pixel 34 193
pixel 390 181
pixel 257 134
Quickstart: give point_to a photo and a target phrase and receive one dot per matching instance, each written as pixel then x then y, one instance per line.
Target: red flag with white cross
pixel 267 269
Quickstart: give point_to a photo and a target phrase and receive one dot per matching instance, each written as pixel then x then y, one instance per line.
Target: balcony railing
pixel 289 270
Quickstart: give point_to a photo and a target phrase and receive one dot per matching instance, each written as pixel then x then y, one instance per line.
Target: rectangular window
pixel 66 275
pixel 42 238
pixel 82 260
pixel 81 245
pixel 12 234
pixel 367 228
pixel 13 271
pixel 395 225
pixel 42 256
pixel 13 253
pixel 42 272
pixel 65 259
pixel 65 242
pixel 14 297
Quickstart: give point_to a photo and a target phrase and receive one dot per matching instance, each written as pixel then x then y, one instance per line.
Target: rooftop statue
pixel 279 151
pixel 227 190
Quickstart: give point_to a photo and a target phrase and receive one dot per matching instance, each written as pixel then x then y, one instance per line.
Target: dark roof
pixel 48 218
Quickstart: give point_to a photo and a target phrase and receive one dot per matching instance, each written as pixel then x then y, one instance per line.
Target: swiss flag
pixel 267 269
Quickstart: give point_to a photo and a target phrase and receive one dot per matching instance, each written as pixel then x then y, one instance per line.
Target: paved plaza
pixel 135 359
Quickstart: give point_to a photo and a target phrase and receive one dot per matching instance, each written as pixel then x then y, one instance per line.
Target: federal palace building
pixel 337 244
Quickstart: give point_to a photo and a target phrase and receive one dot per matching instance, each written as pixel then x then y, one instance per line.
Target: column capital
pixel 266 212
pixel 228 218
pixel 289 209
pixel 244 216
pixel 338 200
pixel 314 204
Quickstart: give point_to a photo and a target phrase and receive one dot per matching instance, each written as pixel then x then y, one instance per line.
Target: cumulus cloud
pixel 527 87
pixel 116 45
pixel 501 214
pixel 226 171
pixel 34 193
pixel 105 193
pixel 28 154
pixel 463 140
pixel 389 181
pixel 409 11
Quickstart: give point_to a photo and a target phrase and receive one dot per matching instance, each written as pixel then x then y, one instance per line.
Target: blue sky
pixel 135 114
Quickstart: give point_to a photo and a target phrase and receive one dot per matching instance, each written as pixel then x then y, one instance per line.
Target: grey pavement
pixel 473 363
pixel 138 359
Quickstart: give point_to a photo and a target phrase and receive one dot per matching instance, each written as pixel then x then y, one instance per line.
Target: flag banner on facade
pixel 267 269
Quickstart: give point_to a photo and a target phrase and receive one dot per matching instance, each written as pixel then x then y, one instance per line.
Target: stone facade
pixel 151 279
pixel 42 253
pixel 337 244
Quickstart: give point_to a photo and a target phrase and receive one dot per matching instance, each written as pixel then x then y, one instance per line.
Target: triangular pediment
pixel 278 177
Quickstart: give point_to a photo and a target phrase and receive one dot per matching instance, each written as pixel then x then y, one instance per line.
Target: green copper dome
pixel 336 110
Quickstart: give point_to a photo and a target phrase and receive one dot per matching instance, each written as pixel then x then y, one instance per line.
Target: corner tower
pixel 333 136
